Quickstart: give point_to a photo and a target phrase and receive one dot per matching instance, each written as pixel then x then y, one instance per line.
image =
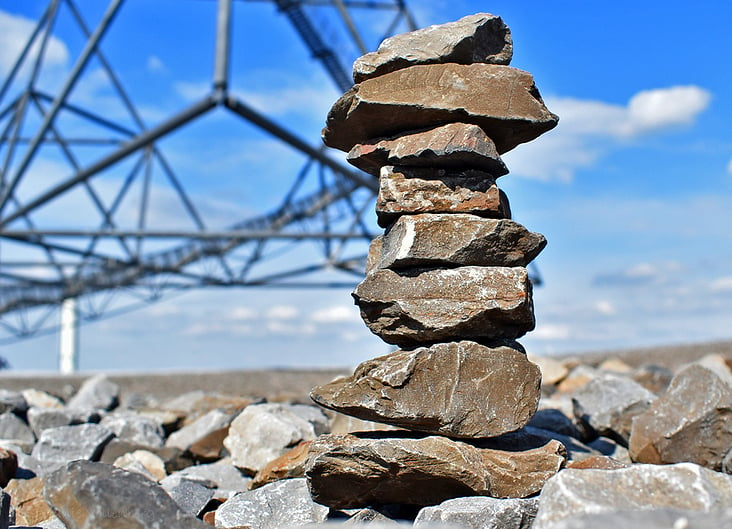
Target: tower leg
pixel 68 357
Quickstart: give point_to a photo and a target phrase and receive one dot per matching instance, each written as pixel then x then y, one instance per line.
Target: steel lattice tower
pixel 109 258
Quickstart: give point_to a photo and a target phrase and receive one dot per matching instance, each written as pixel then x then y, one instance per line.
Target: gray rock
pixel 14 428
pixel 285 503
pixel 369 517
pixel 608 403
pixel 409 190
pixel 97 392
pixel 654 378
pixel 191 496
pixel 501 100
pixel 530 438
pixel 12 401
pixel 223 474
pixel 692 421
pixel 205 436
pixel 455 145
pixel 41 419
pixel 469 302
pixel 263 432
pixel 476 38
pixel 666 518
pixel 639 487
pixel 41 399
pixel 480 391
pixel 554 420
pixel 52 523
pixel 135 428
pixel 434 240
pixel 480 513
pixel 57 446
pixel 85 495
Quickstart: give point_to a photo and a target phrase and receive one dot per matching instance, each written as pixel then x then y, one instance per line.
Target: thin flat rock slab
pixel 480 512
pixel 455 145
pixel 501 100
pixel 411 190
pixel 432 240
pixel 349 471
pixel 470 302
pixel 460 389
pixel 475 38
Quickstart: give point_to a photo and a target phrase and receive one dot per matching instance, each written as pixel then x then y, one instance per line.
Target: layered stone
pixel 407 190
pixel 455 145
pixel 476 38
pixel 501 100
pixel 482 391
pixel 349 471
pixel 416 307
pixel 445 240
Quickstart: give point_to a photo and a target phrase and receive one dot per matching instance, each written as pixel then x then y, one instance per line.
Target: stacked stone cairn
pixel 430 115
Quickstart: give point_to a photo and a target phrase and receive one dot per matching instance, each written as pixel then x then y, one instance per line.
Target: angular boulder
pixel 480 392
pixel 27 501
pixel 136 428
pixel 57 446
pixel 469 302
pixel 475 38
pixel 692 422
pixel 97 392
pixel 665 518
pixel 434 240
pixel 407 190
pixel 501 100
pixel 204 437
pixel 480 512
pixel 455 145
pixel 638 487
pixel 350 471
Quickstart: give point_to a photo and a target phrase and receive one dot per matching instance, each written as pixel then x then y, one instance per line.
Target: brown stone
pixel 26 496
pixel 501 100
pixel 8 465
pixel 691 422
pixel 432 240
pixel 455 145
pixel 291 464
pixel 469 302
pixel 480 391
pixel 405 190
pixel 476 38
pixel 598 463
pixel 349 471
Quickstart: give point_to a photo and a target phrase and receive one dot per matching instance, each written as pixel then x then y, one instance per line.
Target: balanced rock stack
pixel 430 115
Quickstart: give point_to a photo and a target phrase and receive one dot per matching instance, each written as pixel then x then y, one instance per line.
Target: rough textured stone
pixel 41 399
pixel 405 190
pixel 223 474
pixel 638 487
pixel 666 518
pixel 476 38
pixel 135 428
pixel 263 432
pixel 598 462
pixel 455 145
pixel 480 513
pixel 469 302
pixel 57 446
pixel 86 495
pixel 27 501
pixel 608 404
pixel 14 428
pixel 8 465
pixel 501 100
pixel 349 471
pixel 143 461
pixel 481 391
pixel 553 371
pixel 204 437
pixel 190 495
pixel 554 420
pixel 12 401
pixel 371 517
pixel 654 378
pixel 97 392
pixel 285 503
pixel 692 421
pixel 530 438
pixel 41 419
pixel 195 404
pixel 291 464
pixel 445 240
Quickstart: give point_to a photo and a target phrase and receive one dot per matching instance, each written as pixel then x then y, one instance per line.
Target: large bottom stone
pixel 459 389
pixel 348 471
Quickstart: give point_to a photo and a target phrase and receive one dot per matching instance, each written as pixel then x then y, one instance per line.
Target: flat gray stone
pixel 204 437
pixel 223 474
pixel 12 401
pixel 41 419
pixel 285 503
pixel 57 446
pixel 135 428
pixel 638 487
pixel 480 512
pixel 97 392
pixel 475 38
pixel 15 429
pixel 437 240
pixel 85 495
pixel 408 190
pixel 442 305
pixel 459 389
pixel 666 518
pixel 190 495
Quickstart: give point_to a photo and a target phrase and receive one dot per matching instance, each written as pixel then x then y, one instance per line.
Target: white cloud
pixel 336 314
pixel 605 308
pixel 156 65
pixel 722 284
pixel 729 167
pixel 243 313
pixel 192 90
pixel 589 129
pixel 549 331
pixel 14 33
pixel 282 312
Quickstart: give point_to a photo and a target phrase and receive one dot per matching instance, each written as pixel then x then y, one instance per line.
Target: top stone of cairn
pixel 479 38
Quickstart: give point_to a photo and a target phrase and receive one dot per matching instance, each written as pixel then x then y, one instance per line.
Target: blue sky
pixel 632 189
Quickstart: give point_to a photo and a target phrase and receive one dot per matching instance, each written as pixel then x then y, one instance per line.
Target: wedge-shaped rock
pixel 639 487
pixel 455 145
pixel 501 100
pixel 469 302
pixel 476 38
pixel 440 240
pixel 480 391
pixel 349 471
pixel 404 190
pixel 692 421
